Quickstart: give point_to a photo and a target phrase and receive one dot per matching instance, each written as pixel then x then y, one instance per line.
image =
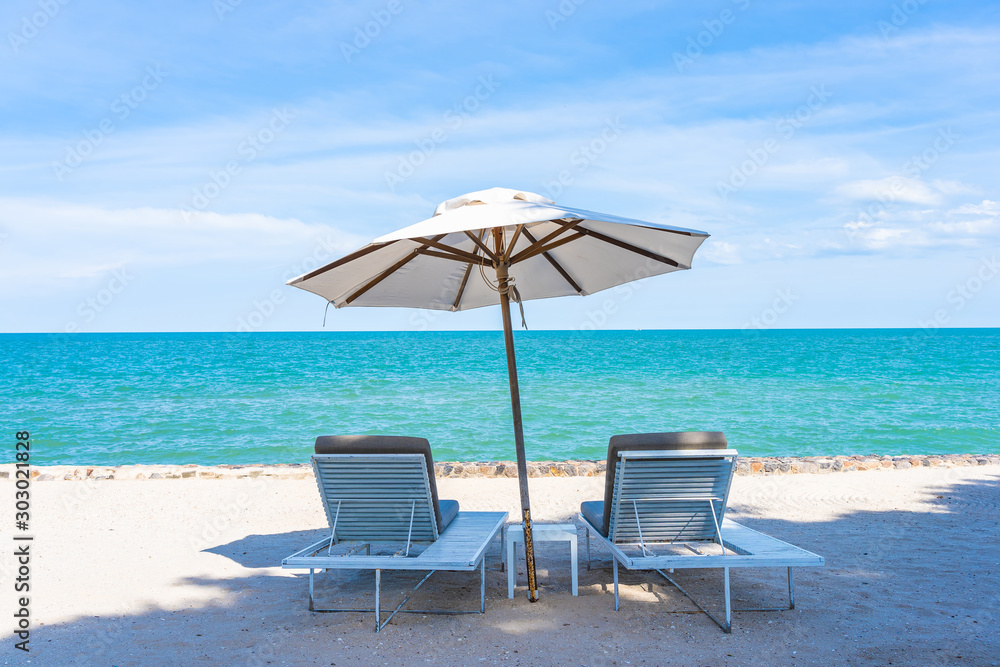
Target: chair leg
pixel 378 611
pixel 587 531
pixel 615 560
pixel 791 590
pixel 311 587
pixel 729 610
pixel 482 587
pixel 503 549
pixel 574 558
pixel 511 566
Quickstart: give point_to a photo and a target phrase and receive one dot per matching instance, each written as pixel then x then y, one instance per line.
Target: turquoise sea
pixel 108 399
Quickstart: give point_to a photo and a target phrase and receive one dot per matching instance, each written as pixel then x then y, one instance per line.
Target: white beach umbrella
pixel 494 246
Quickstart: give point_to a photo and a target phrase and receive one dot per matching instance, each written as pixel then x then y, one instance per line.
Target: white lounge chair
pixel 381 499
pixel 664 509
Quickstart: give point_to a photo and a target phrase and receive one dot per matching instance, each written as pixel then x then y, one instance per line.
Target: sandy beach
pixel 188 571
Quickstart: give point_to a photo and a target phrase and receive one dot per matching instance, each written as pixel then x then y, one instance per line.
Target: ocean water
pixel 109 399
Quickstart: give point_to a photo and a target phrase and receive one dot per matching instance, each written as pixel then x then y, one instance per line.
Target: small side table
pixel 540 532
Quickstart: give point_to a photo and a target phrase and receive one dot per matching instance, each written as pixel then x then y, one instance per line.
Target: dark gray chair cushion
pixel 444 510
pixel 593 511
pixel 449 510
pixel 599 513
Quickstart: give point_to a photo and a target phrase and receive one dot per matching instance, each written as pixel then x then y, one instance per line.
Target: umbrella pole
pixel 515 406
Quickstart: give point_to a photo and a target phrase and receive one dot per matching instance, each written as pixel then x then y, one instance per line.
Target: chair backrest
pixel 376 482
pixel 376 497
pixel 681 441
pixel 670 495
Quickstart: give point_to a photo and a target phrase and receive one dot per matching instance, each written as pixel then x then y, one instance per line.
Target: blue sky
pixel 167 166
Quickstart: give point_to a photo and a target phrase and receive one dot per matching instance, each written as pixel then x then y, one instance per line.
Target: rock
pixel 44 478
pixel 155 475
pixel 756 466
pixel 902 465
pixel 188 473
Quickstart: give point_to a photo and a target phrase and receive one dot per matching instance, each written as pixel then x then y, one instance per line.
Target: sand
pixel 187 572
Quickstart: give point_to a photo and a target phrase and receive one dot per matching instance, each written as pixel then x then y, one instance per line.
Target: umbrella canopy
pixel 552 251
pixel 494 246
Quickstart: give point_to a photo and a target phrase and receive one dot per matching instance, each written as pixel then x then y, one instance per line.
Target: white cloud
pixel 967 225
pixel 987 207
pixel 891 189
pixel 58 242
pixel 720 252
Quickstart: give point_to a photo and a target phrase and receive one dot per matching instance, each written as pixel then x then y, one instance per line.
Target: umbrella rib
pixel 556 266
pixel 632 248
pixel 482 246
pixel 388 272
pixel 536 249
pixel 343 260
pixel 444 255
pixel 433 243
pixel 461 288
pixel 468 272
pixel 567 225
pixel 513 240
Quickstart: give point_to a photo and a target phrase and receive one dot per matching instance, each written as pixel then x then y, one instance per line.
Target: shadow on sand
pixel 899 587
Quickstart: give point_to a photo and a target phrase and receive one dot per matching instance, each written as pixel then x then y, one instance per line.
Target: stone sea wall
pixel 744 466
